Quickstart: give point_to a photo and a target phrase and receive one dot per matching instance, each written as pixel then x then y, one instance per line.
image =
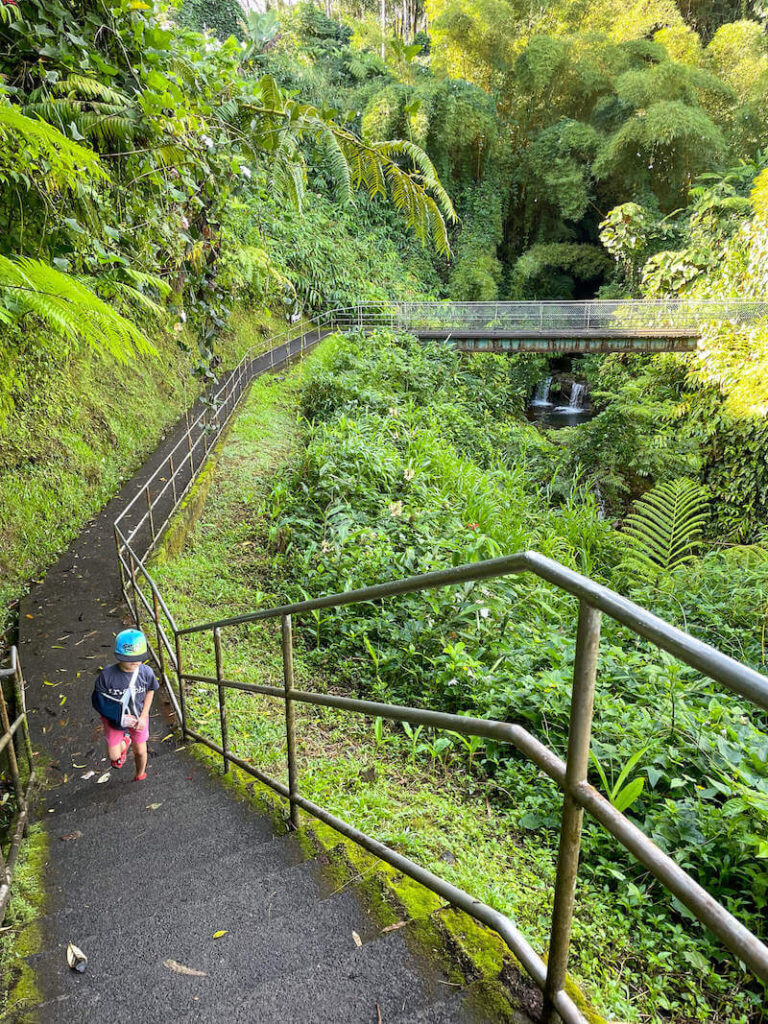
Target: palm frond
pixel 666 525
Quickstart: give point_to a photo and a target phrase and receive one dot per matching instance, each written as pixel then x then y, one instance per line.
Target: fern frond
pixel 335 160
pixel 80 86
pixel 65 156
pixel 666 525
pixel 68 307
pixel 419 159
pixel 289 173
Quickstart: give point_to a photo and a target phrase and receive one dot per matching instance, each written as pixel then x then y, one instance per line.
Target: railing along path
pixel 143 597
pixel 15 742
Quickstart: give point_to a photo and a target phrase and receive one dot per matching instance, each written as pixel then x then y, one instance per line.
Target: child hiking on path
pixel 123 695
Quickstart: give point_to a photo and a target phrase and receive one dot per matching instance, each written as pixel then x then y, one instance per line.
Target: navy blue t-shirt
pixel 113 681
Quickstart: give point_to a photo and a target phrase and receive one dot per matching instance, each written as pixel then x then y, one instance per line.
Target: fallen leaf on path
pixel 172 965
pixel 57 647
pixel 87 775
pixel 77 765
pixel 102 778
pixel 394 927
pixel 62 699
pixel 76 958
pixel 358 940
pixel 153 807
pixel 218 935
pixel 168 737
pixel 30 616
pixel 46 683
pixel 71 836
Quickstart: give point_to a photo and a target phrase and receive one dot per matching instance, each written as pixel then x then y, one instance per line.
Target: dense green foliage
pixel 161 164
pixel 416 460
pixel 150 178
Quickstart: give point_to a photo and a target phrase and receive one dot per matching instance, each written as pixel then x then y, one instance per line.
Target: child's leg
pixel 116 741
pixel 140 757
pixel 140 737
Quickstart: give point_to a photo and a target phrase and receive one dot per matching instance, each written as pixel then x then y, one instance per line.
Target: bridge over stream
pixel 616 325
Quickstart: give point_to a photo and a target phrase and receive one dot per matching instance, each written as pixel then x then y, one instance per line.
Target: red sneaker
pixel 140 778
pixel 121 760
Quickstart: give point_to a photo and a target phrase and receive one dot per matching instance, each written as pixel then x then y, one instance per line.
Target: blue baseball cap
pixel 131 645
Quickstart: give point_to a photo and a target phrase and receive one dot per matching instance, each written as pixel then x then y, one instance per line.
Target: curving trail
pixel 158 867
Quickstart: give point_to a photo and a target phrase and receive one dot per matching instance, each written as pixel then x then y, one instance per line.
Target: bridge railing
pixel 589 315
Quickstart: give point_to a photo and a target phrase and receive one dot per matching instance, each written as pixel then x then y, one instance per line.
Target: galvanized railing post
pixel 12 762
pixel 21 704
pixel 290 719
pixel 182 693
pixel 222 699
pixel 149 512
pixel 173 481
pixel 579 735
pixel 189 451
pixel 120 566
pixel 134 590
pixel 159 631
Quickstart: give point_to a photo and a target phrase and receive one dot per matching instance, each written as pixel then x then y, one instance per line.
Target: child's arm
pixel 144 716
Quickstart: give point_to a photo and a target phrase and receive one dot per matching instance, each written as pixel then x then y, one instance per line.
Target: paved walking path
pixel 154 869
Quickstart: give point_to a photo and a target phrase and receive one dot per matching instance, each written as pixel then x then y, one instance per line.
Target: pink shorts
pixel 114 736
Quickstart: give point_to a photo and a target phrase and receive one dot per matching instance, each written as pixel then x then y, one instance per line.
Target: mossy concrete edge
pixel 19 978
pixel 469 953
pixel 184 519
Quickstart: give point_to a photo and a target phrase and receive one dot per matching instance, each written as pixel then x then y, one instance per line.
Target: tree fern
pixel 45 150
pixel 67 307
pixel 665 527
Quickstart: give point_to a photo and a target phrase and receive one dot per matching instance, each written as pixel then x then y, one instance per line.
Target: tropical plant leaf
pixel 68 307
pixel 666 525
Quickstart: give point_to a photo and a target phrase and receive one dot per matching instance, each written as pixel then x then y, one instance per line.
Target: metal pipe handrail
pixel 738 938
pixel 739 678
pixel 250 356
pixel 9 743
pixel 233 387
pixel 570 775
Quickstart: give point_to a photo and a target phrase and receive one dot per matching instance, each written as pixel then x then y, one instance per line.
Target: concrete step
pixel 182 799
pixel 181 924
pixel 175 772
pixel 139 835
pixel 73 910
pixel 382 980
pixel 241 961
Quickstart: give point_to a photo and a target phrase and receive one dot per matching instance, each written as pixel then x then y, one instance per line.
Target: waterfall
pixel 541 396
pixel 578 394
pixel 577 399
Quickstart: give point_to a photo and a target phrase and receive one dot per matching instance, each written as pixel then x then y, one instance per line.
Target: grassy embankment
pixel 80 425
